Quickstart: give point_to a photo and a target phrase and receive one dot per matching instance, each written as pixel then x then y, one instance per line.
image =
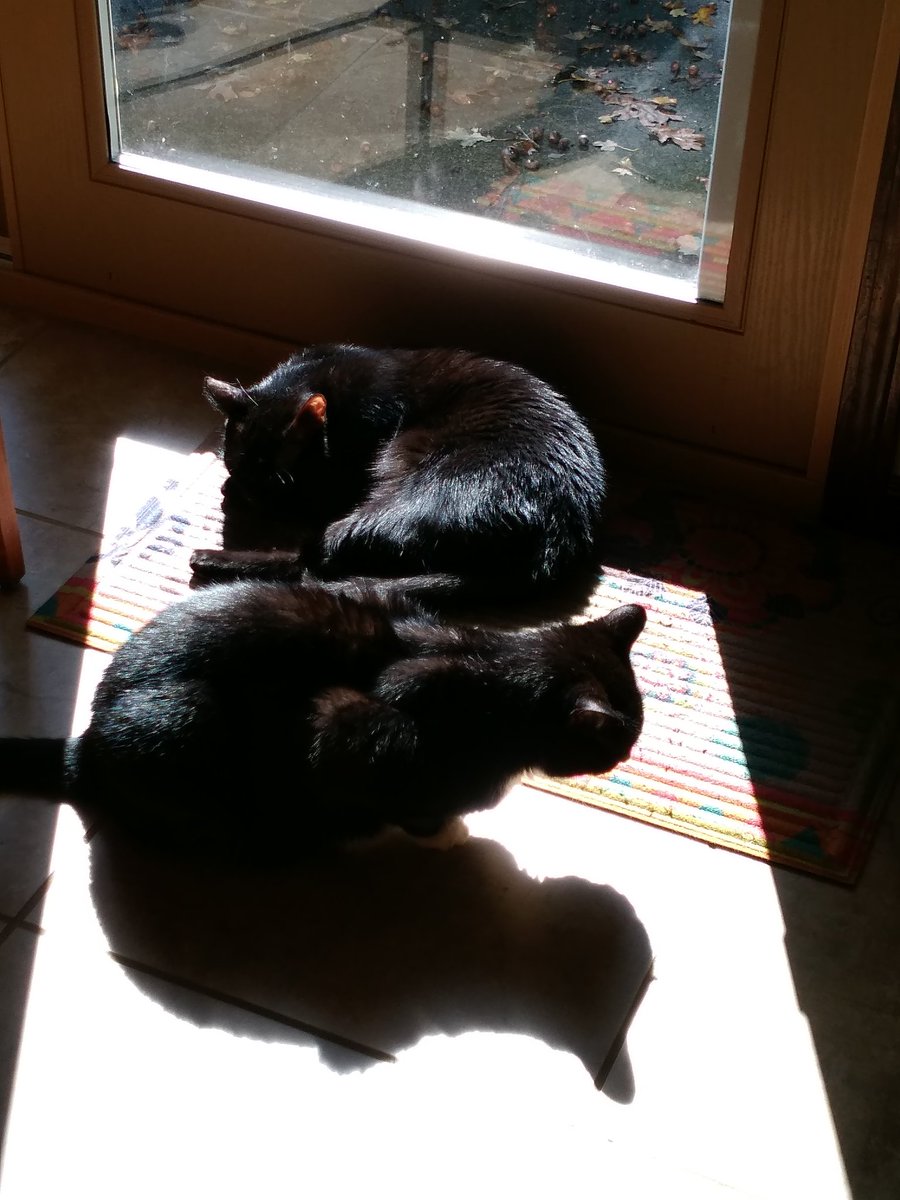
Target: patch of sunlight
pixel 139 470
pixel 729 1095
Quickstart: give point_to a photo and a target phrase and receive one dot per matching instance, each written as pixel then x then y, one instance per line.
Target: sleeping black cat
pixel 348 461
pixel 275 717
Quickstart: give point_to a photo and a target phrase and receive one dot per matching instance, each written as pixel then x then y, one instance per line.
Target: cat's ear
pixel 313 410
pixel 625 624
pixel 316 407
pixel 229 398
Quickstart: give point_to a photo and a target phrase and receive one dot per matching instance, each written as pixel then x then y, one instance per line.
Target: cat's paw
pixel 207 560
pixel 208 566
pixel 452 833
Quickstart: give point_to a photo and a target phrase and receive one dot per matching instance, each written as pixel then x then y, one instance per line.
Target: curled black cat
pixel 270 717
pixel 470 474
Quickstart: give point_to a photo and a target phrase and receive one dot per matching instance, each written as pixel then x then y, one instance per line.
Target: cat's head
pixel 598 708
pixel 274 432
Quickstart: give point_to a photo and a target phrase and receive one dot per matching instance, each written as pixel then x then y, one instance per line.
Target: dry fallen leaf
pixel 698 49
pixel 658 26
pixel 704 14
pixel 222 91
pixel 467 137
pixel 687 139
pixel 622 171
pixel 636 108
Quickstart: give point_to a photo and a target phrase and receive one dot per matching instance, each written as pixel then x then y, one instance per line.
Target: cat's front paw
pixel 210 566
pixel 452 833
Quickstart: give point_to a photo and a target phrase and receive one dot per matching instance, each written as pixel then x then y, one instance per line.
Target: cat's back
pixel 460 386
pixel 240 632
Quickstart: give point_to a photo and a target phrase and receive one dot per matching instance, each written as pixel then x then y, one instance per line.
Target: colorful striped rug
pixel 769 665
pixel 144 567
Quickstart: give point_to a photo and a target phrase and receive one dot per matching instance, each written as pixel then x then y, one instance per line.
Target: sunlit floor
pixel 414 1023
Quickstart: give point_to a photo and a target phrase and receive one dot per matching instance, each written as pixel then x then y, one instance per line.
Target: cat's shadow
pixel 380 947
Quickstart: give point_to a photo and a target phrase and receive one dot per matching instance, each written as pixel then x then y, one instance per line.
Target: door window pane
pixel 576 135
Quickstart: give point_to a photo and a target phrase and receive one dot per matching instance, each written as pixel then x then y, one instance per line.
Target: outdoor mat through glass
pixel 768 665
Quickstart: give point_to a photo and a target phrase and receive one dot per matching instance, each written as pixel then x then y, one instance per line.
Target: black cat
pixel 350 461
pixel 279 717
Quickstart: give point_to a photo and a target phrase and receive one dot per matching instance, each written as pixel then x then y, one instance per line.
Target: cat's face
pixel 597 696
pixel 274 438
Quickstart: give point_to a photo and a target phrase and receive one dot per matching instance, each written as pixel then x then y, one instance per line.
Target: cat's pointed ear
pixel 316 407
pixel 625 624
pixel 314 410
pixel 229 398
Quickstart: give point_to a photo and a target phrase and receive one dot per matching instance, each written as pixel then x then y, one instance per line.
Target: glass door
pixel 280 173
pixel 578 137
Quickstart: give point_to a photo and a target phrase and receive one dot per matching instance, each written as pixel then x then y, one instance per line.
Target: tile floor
pixel 400 1021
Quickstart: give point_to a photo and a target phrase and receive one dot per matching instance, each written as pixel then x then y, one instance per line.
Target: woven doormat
pixel 145 566
pixel 769 665
pixel 769 670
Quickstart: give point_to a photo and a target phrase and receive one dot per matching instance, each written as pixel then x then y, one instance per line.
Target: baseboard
pixel 702 471
pixel 712 474
pixel 221 343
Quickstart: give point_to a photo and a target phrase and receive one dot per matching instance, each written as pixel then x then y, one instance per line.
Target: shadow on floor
pixel 371 950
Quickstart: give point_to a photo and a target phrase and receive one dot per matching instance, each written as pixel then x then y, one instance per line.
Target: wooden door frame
pixel 747 410
pixel 861 489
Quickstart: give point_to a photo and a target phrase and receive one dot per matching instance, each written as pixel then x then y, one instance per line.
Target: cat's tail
pixel 36 766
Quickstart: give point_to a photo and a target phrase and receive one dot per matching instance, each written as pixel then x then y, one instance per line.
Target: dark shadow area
pixel 772 677
pixel 365 952
pixel 27 827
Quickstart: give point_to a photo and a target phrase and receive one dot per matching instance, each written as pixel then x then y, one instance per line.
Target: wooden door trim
pixel 867 431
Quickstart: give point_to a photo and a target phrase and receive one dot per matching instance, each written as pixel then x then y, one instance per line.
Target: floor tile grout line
pixel 33 516
pixel 41 324
pixel 9 925
pixel 257 1009
pixel 618 1042
pixel 20 917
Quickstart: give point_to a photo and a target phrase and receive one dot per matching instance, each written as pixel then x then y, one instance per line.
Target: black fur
pixel 281 717
pixel 471 474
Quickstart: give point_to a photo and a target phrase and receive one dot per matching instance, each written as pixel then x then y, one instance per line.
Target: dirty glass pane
pixel 583 124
